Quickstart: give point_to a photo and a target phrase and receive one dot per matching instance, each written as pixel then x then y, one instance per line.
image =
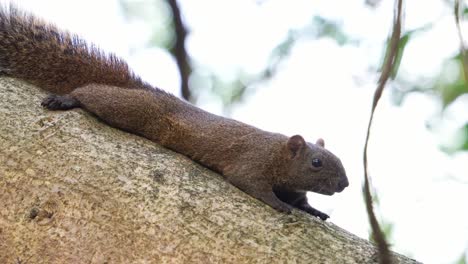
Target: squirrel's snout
pixel 343 184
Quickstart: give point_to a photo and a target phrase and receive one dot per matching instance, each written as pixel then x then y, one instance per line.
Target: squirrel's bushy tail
pixel 55 60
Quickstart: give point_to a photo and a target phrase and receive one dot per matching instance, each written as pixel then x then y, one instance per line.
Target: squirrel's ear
pixel 295 144
pixel 320 142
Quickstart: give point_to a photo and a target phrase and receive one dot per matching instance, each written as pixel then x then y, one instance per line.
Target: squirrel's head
pixel 313 168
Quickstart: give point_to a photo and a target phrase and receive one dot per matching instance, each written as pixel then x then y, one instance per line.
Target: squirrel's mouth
pixel 340 188
pixel 331 191
pixel 330 188
pixel 326 192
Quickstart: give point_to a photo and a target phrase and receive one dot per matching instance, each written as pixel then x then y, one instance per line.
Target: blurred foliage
pixel 448 85
pixel 327 28
pixel 230 92
pixel 463 259
pixel 404 39
pixel 234 91
pixel 373 3
pixel 448 90
pixel 460 138
pixel 155 14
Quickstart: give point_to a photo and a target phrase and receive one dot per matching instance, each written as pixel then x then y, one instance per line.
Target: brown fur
pixel 271 167
pixel 55 60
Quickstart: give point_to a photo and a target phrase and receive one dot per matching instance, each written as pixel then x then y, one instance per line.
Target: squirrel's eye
pixel 317 163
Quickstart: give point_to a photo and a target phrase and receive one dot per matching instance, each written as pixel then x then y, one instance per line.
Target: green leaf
pixel 459 142
pixel 404 39
pixel 452 91
pixel 401 47
pixel 464 132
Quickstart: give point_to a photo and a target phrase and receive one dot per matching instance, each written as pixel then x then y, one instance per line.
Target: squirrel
pixel 270 167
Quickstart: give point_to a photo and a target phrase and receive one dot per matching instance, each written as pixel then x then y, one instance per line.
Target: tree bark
pixel 74 190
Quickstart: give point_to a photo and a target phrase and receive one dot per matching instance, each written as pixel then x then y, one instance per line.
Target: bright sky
pixel 322 90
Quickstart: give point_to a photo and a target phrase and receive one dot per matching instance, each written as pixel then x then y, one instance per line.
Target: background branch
pixel 389 63
pixel 458 7
pixel 179 52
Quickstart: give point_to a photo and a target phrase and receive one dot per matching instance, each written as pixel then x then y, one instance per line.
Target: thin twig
pixel 392 48
pixel 179 51
pixel 458 7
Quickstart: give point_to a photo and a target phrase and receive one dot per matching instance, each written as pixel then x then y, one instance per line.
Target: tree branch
pixel 179 51
pixel 379 237
pixel 458 7
pixel 75 190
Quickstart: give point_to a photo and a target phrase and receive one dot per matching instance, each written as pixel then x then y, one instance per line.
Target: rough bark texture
pixel 74 190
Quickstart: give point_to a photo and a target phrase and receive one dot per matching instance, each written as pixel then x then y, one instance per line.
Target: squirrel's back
pixel 55 60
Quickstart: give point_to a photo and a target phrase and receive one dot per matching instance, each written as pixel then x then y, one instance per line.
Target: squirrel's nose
pixel 343 184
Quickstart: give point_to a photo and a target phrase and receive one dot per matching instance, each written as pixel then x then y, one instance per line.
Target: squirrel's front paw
pixel 60 102
pixel 315 212
pixel 321 215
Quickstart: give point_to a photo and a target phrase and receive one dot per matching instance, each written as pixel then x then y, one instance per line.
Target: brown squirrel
pixel 271 167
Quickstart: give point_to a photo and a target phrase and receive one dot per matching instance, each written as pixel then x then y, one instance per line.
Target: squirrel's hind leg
pixel 60 102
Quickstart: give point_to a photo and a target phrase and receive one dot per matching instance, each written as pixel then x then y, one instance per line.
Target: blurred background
pixel 310 68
